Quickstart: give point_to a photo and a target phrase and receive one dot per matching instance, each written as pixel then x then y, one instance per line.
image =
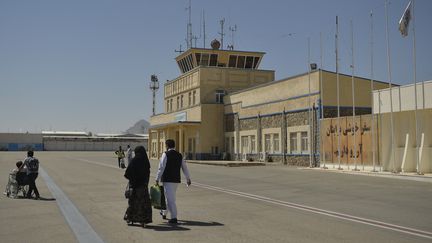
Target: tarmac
pixel 82 200
pixel 366 171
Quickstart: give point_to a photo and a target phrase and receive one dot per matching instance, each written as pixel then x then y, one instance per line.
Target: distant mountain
pixel 140 127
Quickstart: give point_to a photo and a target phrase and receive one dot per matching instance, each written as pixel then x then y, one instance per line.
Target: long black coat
pixel 138 171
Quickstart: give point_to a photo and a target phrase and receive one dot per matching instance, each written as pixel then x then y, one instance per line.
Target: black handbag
pixel 128 191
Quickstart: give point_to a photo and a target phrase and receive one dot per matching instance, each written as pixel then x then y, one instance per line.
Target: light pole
pixel 154 86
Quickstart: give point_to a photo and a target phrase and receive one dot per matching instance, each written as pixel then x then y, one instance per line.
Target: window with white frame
pixel 272 143
pixel 267 143
pixel 304 142
pixel 245 144
pixel 275 143
pixel 253 144
pixel 293 142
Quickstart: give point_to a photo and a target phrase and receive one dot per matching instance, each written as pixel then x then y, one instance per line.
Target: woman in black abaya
pixel 138 173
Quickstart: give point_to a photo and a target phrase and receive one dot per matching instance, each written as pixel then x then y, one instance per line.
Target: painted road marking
pixel 380 224
pixel 77 222
pixel 371 222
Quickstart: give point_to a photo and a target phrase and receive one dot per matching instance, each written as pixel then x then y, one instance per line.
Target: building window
pixel 293 142
pixel 232 61
pixel 249 62
pixel 198 58
pixel 167 105
pixel 245 144
pixel 253 144
pixel 304 142
pixel 256 60
pixel 194 97
pixel 190 99
pixel 204 60
pixel 178 102
pixel 219 96
pixel 241 62
pixel 267 143
pixel 171 104
pixel 181 101
pixel 189 61
pixel 213 60
pixel 276 143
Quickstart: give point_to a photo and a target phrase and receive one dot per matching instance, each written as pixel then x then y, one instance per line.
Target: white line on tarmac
pixel 79 225
pixel 380 224
pixel 371 222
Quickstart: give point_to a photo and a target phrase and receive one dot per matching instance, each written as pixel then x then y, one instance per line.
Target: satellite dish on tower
pixel 215 44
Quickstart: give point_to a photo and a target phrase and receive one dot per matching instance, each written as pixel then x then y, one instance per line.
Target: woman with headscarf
pixel 138 173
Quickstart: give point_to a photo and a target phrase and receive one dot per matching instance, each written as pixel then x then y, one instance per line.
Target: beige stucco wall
pixel 288 94
pixel 230 80
pixel 404 128
pixel 211 130
pixel 406 140
pixel 403 98
pixel 362 90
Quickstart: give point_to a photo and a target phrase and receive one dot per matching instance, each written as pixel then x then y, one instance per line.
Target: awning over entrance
pixel 176 123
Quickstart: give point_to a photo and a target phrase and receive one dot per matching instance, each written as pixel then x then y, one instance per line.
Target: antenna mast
pixel 232 29
pixel 189 27
pixel 204 32
pixel 222 22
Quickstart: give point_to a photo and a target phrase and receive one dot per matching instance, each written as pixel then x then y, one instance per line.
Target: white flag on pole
pixel 404 21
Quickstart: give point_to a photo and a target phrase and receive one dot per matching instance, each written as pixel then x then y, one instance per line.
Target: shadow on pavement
pixel 166 227
pixel 198 223
pixel 40 198
pixel 46 199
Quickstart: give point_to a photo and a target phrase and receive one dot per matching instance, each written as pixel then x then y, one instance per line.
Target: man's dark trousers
pixel 32 185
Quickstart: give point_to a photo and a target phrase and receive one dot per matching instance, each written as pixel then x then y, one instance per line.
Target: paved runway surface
pixel 82 201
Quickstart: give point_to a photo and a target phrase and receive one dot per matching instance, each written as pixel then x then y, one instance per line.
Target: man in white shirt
pixel 129 154
pixel 169 173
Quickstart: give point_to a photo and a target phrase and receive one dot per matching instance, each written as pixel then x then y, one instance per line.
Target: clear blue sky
pixel 86 64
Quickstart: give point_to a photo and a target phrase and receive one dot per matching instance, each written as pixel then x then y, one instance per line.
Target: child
pixel 12 186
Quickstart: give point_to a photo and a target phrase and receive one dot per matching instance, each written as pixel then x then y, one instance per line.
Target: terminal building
pixel 223 106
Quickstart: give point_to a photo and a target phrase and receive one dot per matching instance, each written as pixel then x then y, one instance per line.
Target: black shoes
pixel 163 216
pixel 173 221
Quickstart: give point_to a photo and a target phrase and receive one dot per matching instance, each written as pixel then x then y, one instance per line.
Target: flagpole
pixel 322 101
pixel 415 93
pixel 353 96
pixel 372 98
pixel 337 87
pixel 390 88
pixel 309 107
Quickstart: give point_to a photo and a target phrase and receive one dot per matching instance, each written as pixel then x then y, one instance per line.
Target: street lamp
pixel 154 86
